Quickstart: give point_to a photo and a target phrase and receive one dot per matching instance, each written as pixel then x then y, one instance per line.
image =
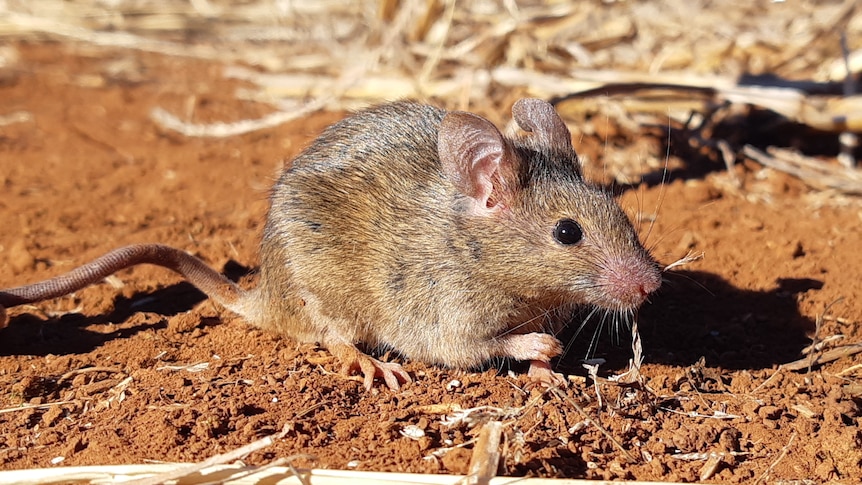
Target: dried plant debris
pixel 639 65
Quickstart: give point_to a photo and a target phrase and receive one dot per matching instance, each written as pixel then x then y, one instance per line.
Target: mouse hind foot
pixel 354 360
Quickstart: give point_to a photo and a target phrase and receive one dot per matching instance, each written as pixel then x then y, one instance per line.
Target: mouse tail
pixel 211 282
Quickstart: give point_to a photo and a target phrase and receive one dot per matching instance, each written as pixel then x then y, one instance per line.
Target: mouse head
pixel 545 231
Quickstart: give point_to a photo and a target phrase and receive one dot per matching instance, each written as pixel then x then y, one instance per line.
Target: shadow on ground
pixel 30 334
pixel 696 315
pixel 700 315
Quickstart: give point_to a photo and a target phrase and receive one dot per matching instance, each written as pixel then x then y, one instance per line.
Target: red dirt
pixel 90 171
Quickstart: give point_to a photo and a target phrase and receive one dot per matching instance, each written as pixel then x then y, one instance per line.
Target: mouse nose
pixel 629 281
pixel 652 283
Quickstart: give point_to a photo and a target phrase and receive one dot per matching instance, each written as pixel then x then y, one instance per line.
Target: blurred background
pixel 630 66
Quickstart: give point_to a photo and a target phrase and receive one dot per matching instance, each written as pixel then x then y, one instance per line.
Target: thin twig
pixel 87 370
pixel 784 452
pixel 215 460
pixel 222 130
pixel 817 175
pixel 824 358
pixel 34 406
pixel 571 402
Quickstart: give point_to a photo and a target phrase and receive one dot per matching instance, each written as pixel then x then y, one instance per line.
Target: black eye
pixel 568 232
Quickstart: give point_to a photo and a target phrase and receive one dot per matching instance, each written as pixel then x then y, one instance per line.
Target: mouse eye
pixel 568 232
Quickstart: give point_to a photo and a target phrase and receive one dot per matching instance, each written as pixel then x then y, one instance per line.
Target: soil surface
pixel 142 367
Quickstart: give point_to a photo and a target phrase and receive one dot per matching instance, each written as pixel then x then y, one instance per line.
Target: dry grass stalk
pixel 683 261
pixel 33 406
pixel 116 394
pixel 693 414
pixel 815 355
pixel 850 370
pixel 188 470
pixel 848 139
pixel 825 357
pixel 644 93
pixel 430 41
pixel 123 40
pixel 632 374
pixel 221 130
pixel 814 173
pixel 245 475
pixel 87 370
pixel 711 466
pixel 571 402
pixel 653 61
pixel 473 416
pixel 486 454
pixel 784 451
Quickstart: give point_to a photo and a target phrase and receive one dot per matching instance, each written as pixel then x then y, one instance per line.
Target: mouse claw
pixel 540 374
pixel 4 318
pixel 391 372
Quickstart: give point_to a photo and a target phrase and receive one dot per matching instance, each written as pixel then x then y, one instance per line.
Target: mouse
pixel 410 228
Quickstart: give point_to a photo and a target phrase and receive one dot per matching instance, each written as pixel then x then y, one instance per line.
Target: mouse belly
pixel 309 316
pixel 470 340
pixel 467 340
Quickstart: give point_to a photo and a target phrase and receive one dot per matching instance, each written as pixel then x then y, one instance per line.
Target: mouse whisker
pixel 542 315
pixel 668 278
pixel 663 191
pixel 580 328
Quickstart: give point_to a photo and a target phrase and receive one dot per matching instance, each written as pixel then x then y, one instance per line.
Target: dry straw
pixel 243 475
pixel 483 467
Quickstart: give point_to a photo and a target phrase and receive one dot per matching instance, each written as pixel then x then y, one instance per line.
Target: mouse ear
pixel 541 119
pixel 475 158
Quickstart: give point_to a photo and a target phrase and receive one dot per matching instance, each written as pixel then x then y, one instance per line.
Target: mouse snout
pixel 627 282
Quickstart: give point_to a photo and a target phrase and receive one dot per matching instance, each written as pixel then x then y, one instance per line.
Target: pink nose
pixel 628 283
pixel 652 284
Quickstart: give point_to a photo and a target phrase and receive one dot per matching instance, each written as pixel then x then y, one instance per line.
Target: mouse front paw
pixel 531 346
pixel 539 349
pixel 353 359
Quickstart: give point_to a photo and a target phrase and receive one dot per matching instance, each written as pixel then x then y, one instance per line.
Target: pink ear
pixel 541 119
pixel 471 152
